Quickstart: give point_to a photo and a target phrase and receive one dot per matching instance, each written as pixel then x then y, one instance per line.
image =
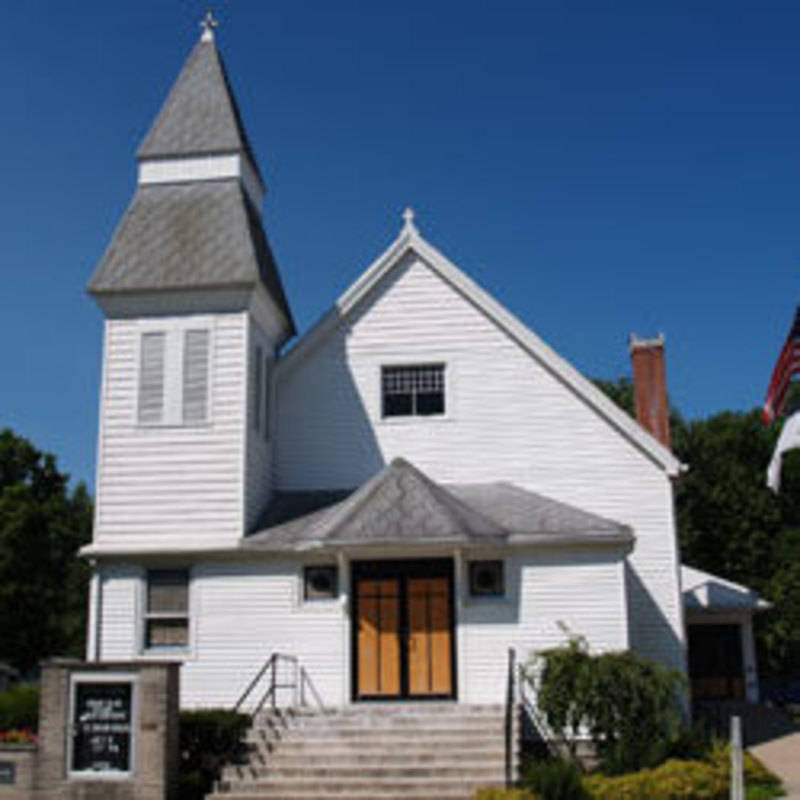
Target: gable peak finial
pixel 408 221
pixel 208 23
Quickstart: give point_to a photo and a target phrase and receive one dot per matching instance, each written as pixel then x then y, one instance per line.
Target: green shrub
pixel 686 780
pixel 673 780
pixel 208 739
pixel 19 708
pixel 554 779
pixel 504 794
pixel 630 706
pixel 758 780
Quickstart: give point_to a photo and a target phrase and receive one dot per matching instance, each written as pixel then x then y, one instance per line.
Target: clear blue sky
pixel 601 168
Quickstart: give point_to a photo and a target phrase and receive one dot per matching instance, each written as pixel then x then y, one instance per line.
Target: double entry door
pixel 403 641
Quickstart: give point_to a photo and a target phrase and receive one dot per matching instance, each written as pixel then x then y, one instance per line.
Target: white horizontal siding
pixel 239 615
pixel 245 612
pixel 508 419
pixel 258 472
pixel 171 486
pixel 118 612
pixel 547 593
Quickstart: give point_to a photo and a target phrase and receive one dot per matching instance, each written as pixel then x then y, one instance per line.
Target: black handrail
pixel 509 720
pixel 298 683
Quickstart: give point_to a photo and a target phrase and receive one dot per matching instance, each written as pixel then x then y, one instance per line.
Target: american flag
pixel 787 367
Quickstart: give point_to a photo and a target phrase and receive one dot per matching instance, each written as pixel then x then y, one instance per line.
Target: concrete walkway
pixel 782 756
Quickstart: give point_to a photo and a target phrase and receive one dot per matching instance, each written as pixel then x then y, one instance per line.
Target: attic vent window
pixel 413 390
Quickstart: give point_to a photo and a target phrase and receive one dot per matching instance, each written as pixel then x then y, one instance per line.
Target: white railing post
pixel 737 766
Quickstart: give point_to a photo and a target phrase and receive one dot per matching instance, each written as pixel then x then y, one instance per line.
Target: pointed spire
pixel 200 115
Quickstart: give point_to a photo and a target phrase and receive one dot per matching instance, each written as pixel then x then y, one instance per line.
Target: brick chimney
pixel 650 386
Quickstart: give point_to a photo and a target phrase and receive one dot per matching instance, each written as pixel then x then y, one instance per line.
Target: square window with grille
pixel 412 391
pixel 486 579
pixel 320 582
pixel 167 609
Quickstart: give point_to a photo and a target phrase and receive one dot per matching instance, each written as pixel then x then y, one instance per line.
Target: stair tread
pixel 425 752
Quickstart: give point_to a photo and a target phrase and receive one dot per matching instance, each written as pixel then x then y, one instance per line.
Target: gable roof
pixel 703 591
pixel 198 235
pixel 402 505
pixel 200 115
pixel 410 241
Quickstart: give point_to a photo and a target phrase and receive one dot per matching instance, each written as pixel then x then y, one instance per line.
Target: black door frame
pixel 402 569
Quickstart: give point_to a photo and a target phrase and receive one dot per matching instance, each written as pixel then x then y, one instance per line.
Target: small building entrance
pixel 715 662
pixel 403 630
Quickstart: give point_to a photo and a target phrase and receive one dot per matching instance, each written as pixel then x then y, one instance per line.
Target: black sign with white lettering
pixel 8 772
pixel 102 727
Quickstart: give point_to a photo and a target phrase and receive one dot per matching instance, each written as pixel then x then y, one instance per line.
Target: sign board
pixel 102 726
pixel 8 772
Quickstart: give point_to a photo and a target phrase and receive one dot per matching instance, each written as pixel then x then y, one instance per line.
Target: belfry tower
pixel 195 313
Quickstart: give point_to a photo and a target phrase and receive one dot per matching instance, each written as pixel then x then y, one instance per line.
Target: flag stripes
pixel 787 366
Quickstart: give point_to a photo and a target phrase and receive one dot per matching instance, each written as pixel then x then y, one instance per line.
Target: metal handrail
pixel 298 684
pixel 305 680
pixel 549 737
pixel 509 716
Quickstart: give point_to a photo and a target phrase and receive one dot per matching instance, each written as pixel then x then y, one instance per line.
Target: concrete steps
pixel 420 751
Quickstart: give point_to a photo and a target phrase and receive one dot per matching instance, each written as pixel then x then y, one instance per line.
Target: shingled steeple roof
pixel 200 115
pixel 194 222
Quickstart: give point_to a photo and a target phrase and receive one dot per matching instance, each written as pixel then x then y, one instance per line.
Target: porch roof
pixel 704 592
pixel 401 505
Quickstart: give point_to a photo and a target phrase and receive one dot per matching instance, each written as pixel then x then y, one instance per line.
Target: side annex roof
pixel 410 240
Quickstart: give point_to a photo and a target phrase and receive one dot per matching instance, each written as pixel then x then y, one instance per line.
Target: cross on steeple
pixel 408 221
pixel 208 23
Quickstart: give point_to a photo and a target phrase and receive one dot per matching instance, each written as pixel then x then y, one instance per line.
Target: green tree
pixel 729 522
pixel 42 581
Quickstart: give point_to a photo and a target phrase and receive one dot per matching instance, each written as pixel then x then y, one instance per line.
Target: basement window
pixel 167 609
pixel 412 391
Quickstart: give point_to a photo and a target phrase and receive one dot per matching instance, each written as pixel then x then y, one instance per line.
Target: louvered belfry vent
pixel 195 376
pixel 151 378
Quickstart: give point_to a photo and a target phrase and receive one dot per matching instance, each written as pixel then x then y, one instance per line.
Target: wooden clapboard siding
pixel 175 486
pixel 119 610
pixel 258 464
pixel 239 614
pixel 171 486
pixel 508 419
pixel 548 593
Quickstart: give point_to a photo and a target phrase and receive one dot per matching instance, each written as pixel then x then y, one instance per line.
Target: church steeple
pixel 194 224
pixel 200 116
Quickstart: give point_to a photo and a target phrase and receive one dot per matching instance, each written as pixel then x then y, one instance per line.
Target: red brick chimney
pixel 650 386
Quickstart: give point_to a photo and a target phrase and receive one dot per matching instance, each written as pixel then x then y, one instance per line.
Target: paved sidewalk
pixel 782 756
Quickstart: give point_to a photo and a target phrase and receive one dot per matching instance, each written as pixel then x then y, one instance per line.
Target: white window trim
pixel 183 653
pixel 102 677
pixel 419 360
pixel 175 334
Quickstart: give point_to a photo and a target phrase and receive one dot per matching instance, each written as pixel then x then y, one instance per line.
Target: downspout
pixel 95 614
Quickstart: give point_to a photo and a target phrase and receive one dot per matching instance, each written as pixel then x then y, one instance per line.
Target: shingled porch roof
pixel 401 505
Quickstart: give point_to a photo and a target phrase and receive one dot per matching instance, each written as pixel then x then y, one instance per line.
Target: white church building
pixel 397 497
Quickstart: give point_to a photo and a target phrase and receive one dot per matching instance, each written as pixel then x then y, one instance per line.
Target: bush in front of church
pixel 209 739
